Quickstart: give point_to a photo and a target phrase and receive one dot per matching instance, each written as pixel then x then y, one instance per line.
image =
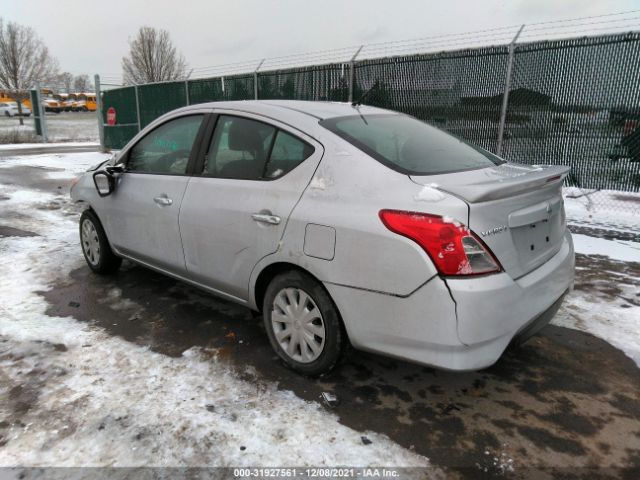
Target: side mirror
pixel 104 182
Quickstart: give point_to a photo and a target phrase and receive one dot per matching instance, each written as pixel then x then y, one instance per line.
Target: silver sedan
pixel 342 225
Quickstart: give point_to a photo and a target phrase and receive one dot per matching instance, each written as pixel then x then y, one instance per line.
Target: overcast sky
pixel 92 37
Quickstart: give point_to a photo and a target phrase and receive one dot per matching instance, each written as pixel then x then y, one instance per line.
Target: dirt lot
pixel 566 400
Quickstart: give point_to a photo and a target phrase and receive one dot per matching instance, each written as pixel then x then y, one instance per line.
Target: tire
pixel 7 114
pixel 95 246
pixel 318 316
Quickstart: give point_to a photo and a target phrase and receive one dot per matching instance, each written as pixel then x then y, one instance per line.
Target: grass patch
pixel 16 135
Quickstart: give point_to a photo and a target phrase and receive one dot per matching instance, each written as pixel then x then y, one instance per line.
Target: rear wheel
pixel 303 323
pixel 95 245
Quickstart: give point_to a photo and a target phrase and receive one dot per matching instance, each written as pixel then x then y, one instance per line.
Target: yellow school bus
pixel 87 102
pixel 6 97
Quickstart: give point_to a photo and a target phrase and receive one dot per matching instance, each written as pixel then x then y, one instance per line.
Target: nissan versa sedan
pixel 341 225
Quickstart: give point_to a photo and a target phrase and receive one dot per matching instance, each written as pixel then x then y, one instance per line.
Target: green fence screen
pixel 572 102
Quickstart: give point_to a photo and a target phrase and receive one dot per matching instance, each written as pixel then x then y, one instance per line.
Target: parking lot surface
pixel 566 400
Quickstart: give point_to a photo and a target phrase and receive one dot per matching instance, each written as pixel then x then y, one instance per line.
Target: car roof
pixel 299 113
pixel 319 110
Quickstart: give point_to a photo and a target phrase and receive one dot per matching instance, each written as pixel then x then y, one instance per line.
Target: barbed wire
pixel 617 22
pixel 484 37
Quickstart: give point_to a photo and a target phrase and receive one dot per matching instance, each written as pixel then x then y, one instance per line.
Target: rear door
pixel 141 215
pixel 235 212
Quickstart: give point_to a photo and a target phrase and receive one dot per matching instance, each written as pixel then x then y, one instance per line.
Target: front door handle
pixel 163 200
pixel 266 218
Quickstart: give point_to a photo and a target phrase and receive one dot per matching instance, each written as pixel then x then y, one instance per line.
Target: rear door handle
pixel 266 218
pixel 163 200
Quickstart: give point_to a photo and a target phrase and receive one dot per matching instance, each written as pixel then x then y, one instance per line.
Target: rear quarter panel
pixel 346 193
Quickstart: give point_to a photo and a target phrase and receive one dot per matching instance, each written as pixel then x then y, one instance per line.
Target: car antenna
pixel 358 102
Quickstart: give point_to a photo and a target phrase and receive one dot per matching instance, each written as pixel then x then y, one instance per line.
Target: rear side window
pixel 246 149
pixel 288 152
pixel 167 148
pixel 408 145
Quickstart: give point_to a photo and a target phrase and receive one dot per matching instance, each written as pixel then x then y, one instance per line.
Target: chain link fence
pixel 571 102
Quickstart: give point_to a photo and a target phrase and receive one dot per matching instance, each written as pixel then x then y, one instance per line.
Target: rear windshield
pixel 408 145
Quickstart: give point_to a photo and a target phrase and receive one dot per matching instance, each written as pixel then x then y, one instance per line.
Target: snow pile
pixel 99 400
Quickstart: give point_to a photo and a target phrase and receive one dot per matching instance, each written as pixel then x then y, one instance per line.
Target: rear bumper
pixel 462 324
pixel 496 307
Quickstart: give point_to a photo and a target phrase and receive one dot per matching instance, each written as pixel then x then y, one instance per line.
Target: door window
pixel 167 148
pixel 250 150
pixel 239 148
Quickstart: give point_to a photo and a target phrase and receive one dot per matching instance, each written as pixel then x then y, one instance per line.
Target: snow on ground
pixel 62 165
pixel 625 251
pixel 617 211
pixel 20 146
pixel 101 401
pixel 618 326
pixel 63 127
pixel 602 207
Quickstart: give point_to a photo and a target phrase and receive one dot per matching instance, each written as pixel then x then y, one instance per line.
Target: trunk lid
pixel 517 210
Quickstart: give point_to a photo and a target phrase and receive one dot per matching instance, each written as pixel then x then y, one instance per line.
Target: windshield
pixel 408 145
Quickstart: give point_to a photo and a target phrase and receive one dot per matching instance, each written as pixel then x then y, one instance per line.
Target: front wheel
pixel 95 245
pixel 303 323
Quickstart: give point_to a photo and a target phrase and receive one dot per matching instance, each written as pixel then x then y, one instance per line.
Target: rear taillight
pixel 454 249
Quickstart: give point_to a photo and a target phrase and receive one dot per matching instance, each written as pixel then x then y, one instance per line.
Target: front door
pixel 141 215
pixel 236 211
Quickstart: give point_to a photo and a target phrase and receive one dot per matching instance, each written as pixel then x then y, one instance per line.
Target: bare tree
pixel 82 83
pixel 24 61
pixel 152 58
pixel 65 79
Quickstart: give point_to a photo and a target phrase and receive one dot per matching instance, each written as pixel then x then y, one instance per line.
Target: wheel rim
pixel 90 242
pixel 298 325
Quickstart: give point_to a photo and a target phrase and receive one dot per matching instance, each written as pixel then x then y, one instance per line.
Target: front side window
pixel 167 148
pixel 246 149
pixel 408 145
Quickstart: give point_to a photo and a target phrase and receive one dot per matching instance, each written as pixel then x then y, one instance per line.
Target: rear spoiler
pixel 494 189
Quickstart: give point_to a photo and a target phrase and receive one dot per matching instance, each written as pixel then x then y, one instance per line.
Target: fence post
pixel 505 96
pixel 186 91
pixel 351 75
pixel 41 111
pixel 137 106
pixel 255 80
pixel 96 80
